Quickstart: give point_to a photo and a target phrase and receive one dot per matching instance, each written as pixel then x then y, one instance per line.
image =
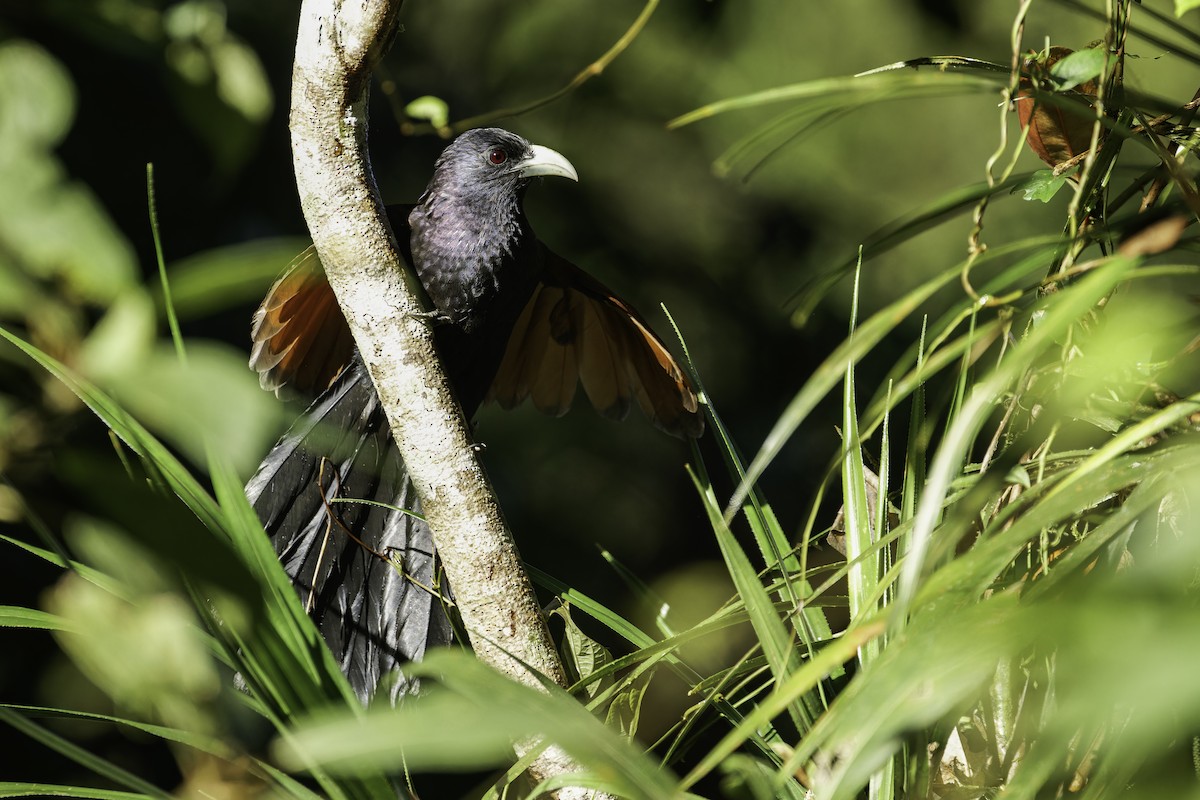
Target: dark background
pixel 200 88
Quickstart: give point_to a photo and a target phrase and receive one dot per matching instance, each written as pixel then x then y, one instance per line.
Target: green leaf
pixel 160 460
pixel 149 655
pixel 1042 185
pixel 1063 310
pixel 83 570
pixel 1184 6
pixel 943 660
pixel 18 617
pixel 431 108
pixel 625 711
pixel 1078 67
pixel 293 666
pixel 206 744
pixel 650 650
pixel 214 397
pixel 782 695
pixel 853 91
pixel 772 634
pixel 37 99
pixel 53 227
pixel 862 555
pixel 1019 476
pixel 832 371
pixel 773 543
pixel 16 789
pixel 219 84
pixel 606 616
pixel 471 718
pixel 122 339
pixel 584 654
pixel 747 777
pixel 226 277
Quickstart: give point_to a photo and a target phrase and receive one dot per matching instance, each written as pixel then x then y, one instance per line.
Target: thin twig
pixel 1174 150
pixel 583 76
pixel 975 248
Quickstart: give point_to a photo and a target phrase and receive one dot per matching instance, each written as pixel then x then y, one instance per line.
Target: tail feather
pixel 365 572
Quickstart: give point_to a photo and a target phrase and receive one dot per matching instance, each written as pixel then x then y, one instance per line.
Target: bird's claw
pixel 432 316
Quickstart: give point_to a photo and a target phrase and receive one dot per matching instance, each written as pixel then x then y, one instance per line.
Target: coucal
pixel 512 321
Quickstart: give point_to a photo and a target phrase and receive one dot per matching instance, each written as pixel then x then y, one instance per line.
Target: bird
pixel 511 320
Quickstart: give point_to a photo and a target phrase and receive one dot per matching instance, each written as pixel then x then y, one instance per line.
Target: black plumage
pixel 474 251
pixel 505 304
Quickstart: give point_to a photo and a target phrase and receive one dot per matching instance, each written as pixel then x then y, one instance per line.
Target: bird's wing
pixel 300 337
pixel 575 330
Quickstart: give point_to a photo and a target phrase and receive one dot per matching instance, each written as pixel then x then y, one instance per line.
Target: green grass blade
pixel 18 617
pixel 1067 307
pixel 17 789
pixel 831 372
pixel 499 711
pixel 138 439
pixel 773 636
pixel 852 91
pixel 172 320
pixel 905 228
pixel 96 764
pixel 861 553
pixel 784 695
pixel 94 576
pixel 198 741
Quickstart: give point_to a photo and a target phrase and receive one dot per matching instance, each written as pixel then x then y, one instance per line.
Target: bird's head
pixel 493 161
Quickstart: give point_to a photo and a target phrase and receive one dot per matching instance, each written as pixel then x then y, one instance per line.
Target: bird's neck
pixel 465 248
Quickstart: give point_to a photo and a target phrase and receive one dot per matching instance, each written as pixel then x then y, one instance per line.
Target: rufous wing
pixel 573 331
pixel 301 340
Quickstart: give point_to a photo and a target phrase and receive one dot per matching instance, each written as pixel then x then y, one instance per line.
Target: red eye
pixel 498 156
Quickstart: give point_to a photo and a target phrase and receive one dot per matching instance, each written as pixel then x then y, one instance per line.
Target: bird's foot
pixel 432 317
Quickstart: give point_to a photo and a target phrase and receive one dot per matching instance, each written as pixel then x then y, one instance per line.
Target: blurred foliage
pixel 1011 417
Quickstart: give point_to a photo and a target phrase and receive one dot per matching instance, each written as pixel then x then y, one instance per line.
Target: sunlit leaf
pixel 214 398
pixel 1042 185
pixel 225 277
pixel 36 96
pixel 1078 67
pixel 584 654
pixel 122 340
pixel 52 227
pixel 220 87
pixel 433 109
pixel 500 711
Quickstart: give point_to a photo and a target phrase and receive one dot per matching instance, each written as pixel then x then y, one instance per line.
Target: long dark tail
pixel 365 573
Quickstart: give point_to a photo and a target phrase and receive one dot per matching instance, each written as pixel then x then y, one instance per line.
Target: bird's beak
pixel 545 161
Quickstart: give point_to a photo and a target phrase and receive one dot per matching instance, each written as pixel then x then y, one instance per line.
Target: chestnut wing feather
pixel 575 330
pixel 300 337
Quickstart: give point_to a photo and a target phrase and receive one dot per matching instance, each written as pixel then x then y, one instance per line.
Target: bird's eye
pixel 497 155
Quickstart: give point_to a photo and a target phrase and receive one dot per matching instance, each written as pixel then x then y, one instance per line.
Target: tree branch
pixel 338 45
